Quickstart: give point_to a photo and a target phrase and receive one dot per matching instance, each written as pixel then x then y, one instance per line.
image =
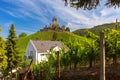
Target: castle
pixel 53 26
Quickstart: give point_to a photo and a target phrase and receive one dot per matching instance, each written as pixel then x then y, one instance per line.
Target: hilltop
pixel 50 35
pixel 96 29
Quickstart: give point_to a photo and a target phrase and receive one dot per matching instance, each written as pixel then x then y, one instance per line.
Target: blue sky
pixel 32 15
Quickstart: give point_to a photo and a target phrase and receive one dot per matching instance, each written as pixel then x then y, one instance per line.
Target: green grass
pixel 96 29
pixel 61 36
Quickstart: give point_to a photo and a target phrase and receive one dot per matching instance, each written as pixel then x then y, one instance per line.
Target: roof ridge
pixel 42 46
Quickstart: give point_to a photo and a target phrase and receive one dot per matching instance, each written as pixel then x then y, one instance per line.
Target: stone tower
pixel 54 23
pixel 54 20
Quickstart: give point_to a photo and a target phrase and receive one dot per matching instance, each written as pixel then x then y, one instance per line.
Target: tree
pixel 12 52
pixel 3 57
pixel 63 27
pixel 67 29
pixel 91 4
pixel 23 34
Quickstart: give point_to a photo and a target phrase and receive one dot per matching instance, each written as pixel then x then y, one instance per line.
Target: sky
pixel 30 16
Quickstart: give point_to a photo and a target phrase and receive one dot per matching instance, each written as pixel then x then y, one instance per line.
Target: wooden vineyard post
pixel 102 56
pixel 58 72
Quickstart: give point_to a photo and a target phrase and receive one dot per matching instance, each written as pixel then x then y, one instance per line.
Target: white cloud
pixel 75 19
pixel 80 18
pixel 110 11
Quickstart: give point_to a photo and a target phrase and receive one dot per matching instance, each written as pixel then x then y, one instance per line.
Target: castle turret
pixel 54 20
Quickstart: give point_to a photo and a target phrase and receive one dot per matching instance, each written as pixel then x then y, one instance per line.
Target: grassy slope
pixel 63 36
pixel 96 29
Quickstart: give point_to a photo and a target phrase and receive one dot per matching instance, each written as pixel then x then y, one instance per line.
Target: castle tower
pixel 54 20
pixel 54 23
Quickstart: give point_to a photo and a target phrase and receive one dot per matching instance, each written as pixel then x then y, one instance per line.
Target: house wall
pixel 42 57
pixel 31 51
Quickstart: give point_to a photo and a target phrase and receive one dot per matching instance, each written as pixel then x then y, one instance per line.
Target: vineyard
pixel 80 62
pixel 53 52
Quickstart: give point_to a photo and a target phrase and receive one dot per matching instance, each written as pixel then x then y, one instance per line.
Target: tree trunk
pixel 90 63
pixel 75 65
pixel 58 72
pixel 70 66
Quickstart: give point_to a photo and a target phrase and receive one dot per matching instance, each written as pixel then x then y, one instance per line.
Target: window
pixel 25 57
pixel 42 54
pixel 31 55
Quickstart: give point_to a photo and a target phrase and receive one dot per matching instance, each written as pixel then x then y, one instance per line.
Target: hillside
pixel 96 29
pixel 61 36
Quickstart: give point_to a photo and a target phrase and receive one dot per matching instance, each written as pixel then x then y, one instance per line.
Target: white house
pixel 37 50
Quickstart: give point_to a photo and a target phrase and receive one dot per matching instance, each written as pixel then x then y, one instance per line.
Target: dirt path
pixel 112 73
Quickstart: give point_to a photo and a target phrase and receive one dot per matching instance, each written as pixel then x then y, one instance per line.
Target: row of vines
pixel 82 54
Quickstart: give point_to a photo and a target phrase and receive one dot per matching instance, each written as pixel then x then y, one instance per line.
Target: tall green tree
pixel 12 52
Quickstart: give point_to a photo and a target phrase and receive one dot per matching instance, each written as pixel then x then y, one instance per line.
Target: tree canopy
pixel 90 4
pixel 3 57
pixel 67 29
pixel 11 50
pixel 23 34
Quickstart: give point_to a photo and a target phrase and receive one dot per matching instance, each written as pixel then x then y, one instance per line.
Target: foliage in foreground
pixel 112 43
pixel 91 4
pixel 3 57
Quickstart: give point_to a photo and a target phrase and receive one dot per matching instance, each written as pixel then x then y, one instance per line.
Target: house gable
pixel 31 51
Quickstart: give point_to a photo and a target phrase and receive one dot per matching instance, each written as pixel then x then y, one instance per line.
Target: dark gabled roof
pixel 43 46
